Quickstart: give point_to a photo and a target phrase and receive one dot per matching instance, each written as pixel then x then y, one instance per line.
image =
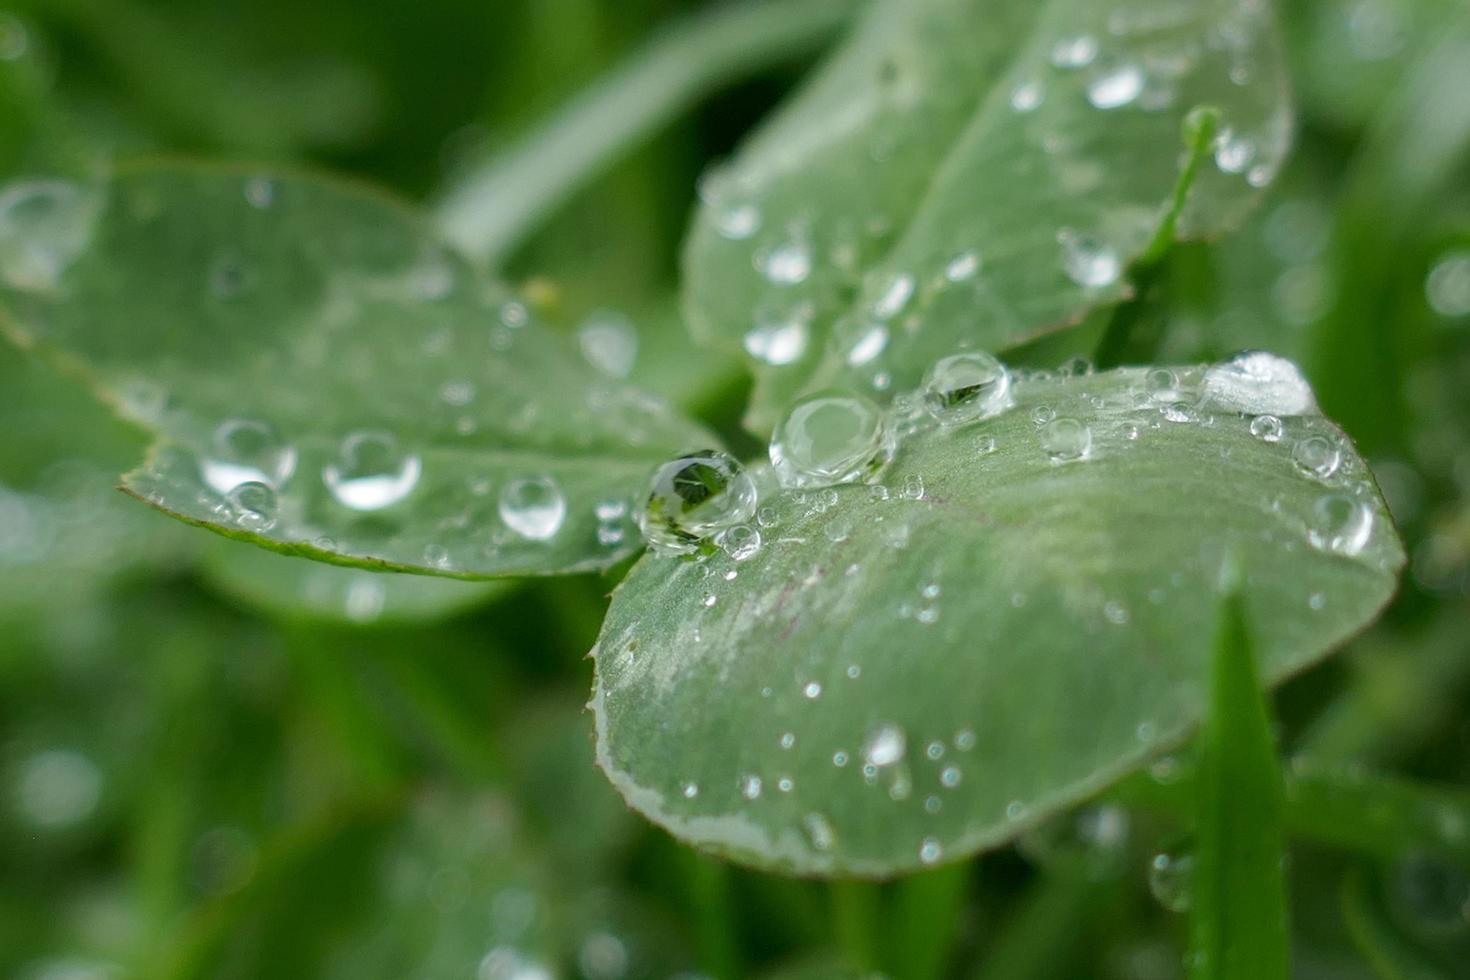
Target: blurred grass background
pixel 219 763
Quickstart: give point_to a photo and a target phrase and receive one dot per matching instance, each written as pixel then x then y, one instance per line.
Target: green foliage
pixel 1238 926
pixel 997 647
pixel 965 173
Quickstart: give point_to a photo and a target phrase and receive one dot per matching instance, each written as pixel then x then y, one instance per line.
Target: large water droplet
pixel 965 387
pixel 1341 524
pixel 246 451
pixel 693 498
pixel 830 438
pixel 533 507
pixel 371 471
pixel 1258 383
pixel 1066 439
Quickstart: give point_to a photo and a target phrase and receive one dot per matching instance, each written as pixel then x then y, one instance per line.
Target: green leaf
pixel 975 173
pixel 193 300
pixel 1042 627
pixel 293 588
pixel 1238 919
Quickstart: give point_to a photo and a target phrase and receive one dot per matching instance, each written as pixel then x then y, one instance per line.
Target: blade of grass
pixel 1238 920
pixel 925 914
pixel 855 916
pixel 1046 935
pixel 495 205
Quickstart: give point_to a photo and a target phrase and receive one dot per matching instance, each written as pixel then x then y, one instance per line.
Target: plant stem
pixel 496 205
pixel 1115 347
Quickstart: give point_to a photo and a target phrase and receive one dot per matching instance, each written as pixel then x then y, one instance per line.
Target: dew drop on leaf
pixel 371 471
pixel 885 745
pixel 246 450
pixel 1317 456
pixel 1066 439
pixel 533 507
pixel 830 438
pixel 1267 428
pixel 1258 383
pixel 694 497
pixel 1116 87
pixel 1342 525
pixel 1171 880
pixel 965 387
pixel 778 337
pixel 1087 260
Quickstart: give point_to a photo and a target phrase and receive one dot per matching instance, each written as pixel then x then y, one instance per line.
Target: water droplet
pixel 1258 383
pixel 895 297
pixel 912 489
pixel 1027 96
pixel 1116 613
pixel 254 505
pixel 965 387
pixel 930 850
pixel 1342 525
pixel 1447 287
pixel 693 498
pixel 691 790
pixel 961 267
pixel 750 786
pixel 830 438
pixel 738 222
pixel 788 739
pixel 533 507
pixel 44 225
pixel 58 788
pixel 260 192
pixel 787 264
pixel 609 342
pixel 740 542
pixel 1267 428
pixel 1171 880
pixel 246 451
pixel 819 831
pixel 1087 260
pixel 1066 439
pixel 964 740
pixel 812 690
pixel 1317 456
pixel 867 342
pixel 1074 52
pixel 371 471
pixel 885 745
pixel 1116 87
pixel 778 338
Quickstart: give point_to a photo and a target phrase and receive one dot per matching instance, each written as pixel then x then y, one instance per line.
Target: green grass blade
pixel 1238 925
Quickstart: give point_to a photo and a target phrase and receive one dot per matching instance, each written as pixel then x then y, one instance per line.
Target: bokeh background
pixel 215 762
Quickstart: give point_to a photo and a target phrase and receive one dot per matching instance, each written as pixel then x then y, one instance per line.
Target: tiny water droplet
pixel 255 506
pixel 1066 439
pixel 930 850
pixel 609 342
pixel 1074 52
pixel 1267 428
pixel 787 264
pixel 1317 456
pixel 750 786
pixel 371 471
pixel 740 542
